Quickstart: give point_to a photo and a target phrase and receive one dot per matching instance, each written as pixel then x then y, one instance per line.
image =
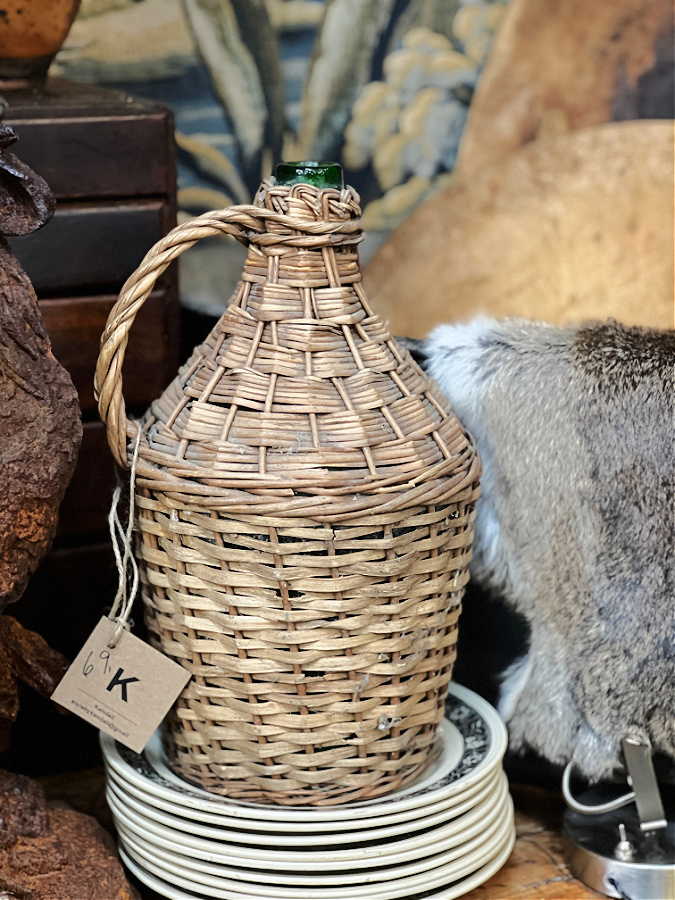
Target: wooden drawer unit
pixel 75 325
pixel 89 142
pixel 110 161
pixel 91 246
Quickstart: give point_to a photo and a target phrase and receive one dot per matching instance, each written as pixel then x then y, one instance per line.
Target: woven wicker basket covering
pixel 306 507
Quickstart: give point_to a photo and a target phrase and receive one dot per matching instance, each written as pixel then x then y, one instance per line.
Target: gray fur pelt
pixel 575 526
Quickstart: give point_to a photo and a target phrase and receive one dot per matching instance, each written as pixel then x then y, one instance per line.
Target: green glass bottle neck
pixel 319 174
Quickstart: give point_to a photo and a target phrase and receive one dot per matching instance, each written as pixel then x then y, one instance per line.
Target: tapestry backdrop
pixel 382 86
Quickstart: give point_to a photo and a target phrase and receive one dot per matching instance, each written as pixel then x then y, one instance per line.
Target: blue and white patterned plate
pixel 471 744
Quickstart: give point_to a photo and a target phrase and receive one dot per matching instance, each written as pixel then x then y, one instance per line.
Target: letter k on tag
pixel 125 690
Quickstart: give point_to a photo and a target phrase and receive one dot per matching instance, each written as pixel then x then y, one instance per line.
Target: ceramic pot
pixel 31 34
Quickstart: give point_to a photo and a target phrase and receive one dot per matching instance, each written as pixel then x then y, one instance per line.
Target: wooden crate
pixel 110 161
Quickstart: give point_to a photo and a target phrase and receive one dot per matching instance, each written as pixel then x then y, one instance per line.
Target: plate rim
pixel 456 811
pixel 327 827
pixel 280 860
pixel 331 880
pixel 408 797
pixel 458 889
pixel 384 890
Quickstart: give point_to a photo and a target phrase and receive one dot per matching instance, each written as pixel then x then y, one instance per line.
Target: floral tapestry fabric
pixel 381 86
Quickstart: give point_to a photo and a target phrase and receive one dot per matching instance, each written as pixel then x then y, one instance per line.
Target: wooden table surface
pixel 535 870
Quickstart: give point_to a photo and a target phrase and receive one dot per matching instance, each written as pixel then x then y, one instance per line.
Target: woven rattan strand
pixel 306 506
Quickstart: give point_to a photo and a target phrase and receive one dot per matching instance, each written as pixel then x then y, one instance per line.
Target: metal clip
pixel 641 775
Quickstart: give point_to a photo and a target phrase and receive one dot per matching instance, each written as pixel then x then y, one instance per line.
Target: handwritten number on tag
pixel 88 667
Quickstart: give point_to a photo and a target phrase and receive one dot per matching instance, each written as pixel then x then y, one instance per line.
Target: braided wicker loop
pixel 306 515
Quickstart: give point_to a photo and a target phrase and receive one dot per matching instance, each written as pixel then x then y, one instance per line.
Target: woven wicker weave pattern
pixel 306 515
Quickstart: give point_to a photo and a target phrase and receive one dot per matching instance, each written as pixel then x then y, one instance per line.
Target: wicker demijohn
pixel 306 505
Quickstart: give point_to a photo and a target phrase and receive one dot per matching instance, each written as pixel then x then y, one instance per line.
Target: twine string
pixel 122 542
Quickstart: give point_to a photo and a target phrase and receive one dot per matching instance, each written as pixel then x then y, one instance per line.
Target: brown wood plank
pixel 74 98
pixel 536 869
pixel 92 142
pixel 87 500
pixel 91 246
pixel 75 325
pixel 70 591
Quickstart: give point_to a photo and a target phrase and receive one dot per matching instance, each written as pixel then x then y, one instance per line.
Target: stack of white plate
pixel 436 839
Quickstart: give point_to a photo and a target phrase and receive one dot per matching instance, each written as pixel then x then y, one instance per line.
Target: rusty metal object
pixel 26 202
pixel 40 434
pixel 26 657
pixel 40 429
pixel 54 852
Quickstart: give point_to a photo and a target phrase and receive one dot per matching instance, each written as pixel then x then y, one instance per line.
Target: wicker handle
pixel 239 221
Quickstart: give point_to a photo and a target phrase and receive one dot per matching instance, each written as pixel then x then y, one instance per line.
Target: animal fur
pixel 575 526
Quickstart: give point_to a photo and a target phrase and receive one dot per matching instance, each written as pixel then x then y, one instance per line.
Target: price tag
pixel 125 690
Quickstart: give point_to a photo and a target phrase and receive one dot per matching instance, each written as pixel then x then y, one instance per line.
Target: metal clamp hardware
pixel 642 778
pixel 596 810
